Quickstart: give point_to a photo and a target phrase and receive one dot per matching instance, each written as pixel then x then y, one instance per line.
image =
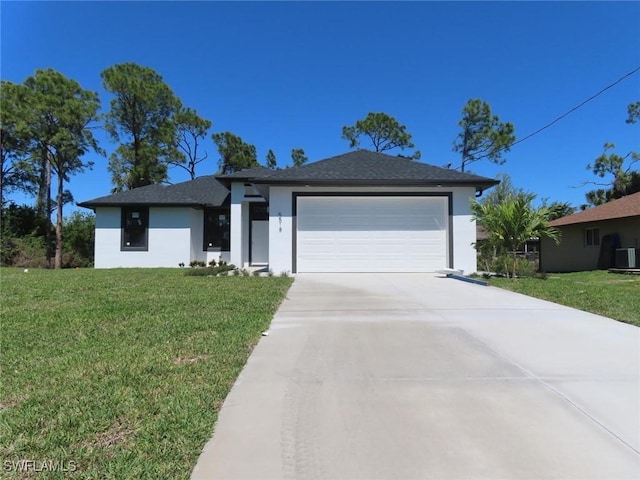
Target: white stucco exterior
pixel 241 198
pixel 169 239
pixel 175 236
pixel 464 231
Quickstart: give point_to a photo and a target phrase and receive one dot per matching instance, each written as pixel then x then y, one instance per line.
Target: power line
pixel 576 107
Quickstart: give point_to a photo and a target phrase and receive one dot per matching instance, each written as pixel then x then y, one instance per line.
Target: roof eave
pixel 592 220
pixel 93 205
pixel 479 185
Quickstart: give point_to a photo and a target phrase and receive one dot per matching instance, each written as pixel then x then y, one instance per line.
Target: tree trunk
pixel 41 201
pixel 48 207
pixel 2 134
pixel 465 149
pixel 58 258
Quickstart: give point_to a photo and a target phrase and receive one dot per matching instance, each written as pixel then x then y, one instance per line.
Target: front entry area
pixel 372 233
pixel 259 218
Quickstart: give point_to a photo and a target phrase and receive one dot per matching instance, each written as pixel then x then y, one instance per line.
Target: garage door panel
pixel 371 222
pixel 369 234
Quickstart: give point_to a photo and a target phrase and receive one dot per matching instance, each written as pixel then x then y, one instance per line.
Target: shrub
pixel 23 238
pixel 525 268
pixel 212 263
pixel 201 272
pixel 208 271
pixel 28 251
pixel 503 265
pixel 197 264
pixel 79 239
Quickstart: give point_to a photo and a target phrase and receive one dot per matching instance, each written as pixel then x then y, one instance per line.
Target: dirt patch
pixel 8 403
pixel 117 434
pixel 620 280
pixel 189 360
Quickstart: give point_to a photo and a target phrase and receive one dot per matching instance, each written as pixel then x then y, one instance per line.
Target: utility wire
pixel 576 107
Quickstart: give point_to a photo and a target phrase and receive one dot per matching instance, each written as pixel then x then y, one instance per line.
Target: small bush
pixel 181 264
pixel 236 272
pixel 270 273
pixel 201 272
pixel 284 273
pixel 245 272
pixel 212 263
pixel 525 268
pixel 256 273
pixel 197 264
pixel 503 265
pixel 208 271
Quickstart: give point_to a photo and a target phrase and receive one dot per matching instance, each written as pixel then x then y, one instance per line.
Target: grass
pixel 121 373
pixel 611 295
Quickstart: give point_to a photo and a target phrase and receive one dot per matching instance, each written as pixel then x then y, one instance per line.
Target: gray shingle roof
pixel 247 173
pixel 362 167
pixel 203 191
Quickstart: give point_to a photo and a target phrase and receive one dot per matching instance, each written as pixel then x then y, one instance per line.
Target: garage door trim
pixel 294 215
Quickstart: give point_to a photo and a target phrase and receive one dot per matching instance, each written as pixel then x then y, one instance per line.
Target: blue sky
pixel 291 74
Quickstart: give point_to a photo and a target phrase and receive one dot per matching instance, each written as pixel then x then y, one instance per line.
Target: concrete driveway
pixel 416 376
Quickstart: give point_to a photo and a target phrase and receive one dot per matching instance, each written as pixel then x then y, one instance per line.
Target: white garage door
pixel 371 234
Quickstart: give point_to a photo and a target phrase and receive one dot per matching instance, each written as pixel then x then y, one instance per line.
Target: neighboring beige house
pixel 583 234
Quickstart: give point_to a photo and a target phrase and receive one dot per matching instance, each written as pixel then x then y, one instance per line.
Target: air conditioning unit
pixel 628 258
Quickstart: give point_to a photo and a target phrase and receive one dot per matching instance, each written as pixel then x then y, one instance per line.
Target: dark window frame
pixel 592 237
pixel 206 234
pixel 125 235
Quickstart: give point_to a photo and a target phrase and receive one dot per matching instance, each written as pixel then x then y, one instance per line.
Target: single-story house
pixel 357 212
pixel 589 236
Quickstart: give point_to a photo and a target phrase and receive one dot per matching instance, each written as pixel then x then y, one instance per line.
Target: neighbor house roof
pixel 203 191
pixel 628 206
pixel 363 167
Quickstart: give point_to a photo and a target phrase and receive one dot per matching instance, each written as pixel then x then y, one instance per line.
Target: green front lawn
pixel 609 294
pixel 120 373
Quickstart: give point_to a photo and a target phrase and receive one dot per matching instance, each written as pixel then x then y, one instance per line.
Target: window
pixel 216 229
pixel 591 237
pixel 135 226
pixel 258 211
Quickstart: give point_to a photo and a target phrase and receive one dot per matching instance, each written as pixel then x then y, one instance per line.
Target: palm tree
pixel 512 222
